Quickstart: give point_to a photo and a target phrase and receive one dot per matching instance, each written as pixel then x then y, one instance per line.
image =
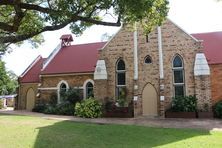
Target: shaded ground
pixel 207 124
pixel 25 131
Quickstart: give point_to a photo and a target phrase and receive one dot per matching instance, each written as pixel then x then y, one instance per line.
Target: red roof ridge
pixel 87 43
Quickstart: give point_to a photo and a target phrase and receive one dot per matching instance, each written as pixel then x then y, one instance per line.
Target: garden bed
pixel 170 114
pixel 120 112
pixel 205 115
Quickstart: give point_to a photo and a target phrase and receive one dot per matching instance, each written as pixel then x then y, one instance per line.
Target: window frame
pixel 117 86
pixel 59 89
pixel 183 77
pixel 87 88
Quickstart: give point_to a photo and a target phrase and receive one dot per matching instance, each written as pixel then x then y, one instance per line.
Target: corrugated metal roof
pixel 80 58
pixel 212 46
pixel 32 75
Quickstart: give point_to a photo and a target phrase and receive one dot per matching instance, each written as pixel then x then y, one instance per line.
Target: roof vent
pixel 66 39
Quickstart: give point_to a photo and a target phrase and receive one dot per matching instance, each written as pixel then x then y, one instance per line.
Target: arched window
pixel 61 88
pixel 148 60
pixel 120 77
pixel 89 90
pixel 178 76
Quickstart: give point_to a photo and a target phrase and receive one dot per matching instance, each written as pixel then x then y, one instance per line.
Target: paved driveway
pixel 207 124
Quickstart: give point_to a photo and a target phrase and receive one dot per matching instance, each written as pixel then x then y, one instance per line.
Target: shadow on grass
pixel 67 134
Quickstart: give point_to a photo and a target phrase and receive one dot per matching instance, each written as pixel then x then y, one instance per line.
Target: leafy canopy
pixel 8 82
pixel 26 19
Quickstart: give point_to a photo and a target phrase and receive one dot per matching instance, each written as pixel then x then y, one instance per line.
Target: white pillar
pixel 135 52
pixel 160 52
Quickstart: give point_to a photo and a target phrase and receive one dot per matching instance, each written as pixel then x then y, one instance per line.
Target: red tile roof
pixel 31 74
pixel 212 45
pixel 80 58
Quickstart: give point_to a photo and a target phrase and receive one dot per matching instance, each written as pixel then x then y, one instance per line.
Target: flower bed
pixel 112 110
pixel 170 114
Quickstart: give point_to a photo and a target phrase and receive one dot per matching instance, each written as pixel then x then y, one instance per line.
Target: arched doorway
pixel 149 96
pixel 30 99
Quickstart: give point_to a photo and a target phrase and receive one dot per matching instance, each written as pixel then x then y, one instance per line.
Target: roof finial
pixel 66 39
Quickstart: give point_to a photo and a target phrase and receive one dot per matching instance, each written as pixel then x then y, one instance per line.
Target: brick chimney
pixel 66 40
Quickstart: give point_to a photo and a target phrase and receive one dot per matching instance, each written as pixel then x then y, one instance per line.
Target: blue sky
pixel 191 15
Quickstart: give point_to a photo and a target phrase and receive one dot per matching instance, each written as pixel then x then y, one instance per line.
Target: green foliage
pixel 40 106
pixel 60 109
pixel 121 100
pixel 53 99
pixel 72 96
pixel 88 108
pixel 184 104
pixel 66 107
pixel 8 82
pixel 218 109
pixel 1 103
pixel 26 20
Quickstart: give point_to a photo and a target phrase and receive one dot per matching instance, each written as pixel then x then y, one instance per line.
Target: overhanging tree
pixel 8 80
pixel 26 19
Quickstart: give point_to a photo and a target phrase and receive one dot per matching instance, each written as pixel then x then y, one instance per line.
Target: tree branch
pixel 6 27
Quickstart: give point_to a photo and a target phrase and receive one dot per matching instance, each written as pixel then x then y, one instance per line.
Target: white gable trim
pixel 52 55
pixel 31 65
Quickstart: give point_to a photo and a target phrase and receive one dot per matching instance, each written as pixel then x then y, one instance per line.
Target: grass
pixel 25 132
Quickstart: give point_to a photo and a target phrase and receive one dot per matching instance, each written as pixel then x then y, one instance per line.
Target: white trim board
pixel 51 56
pixel 31 65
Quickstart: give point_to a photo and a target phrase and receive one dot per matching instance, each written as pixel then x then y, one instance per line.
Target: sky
pixel 193 16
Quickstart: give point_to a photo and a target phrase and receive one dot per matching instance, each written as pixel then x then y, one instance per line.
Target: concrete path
pixel 206 124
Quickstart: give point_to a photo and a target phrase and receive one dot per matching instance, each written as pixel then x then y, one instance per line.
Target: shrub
pixel 88 108
pixel 49 109
pixel 121 100
pixel 1 103
pixel 40 106
pixel 218 109
pixel 184 104
pixel 53 98
pixel 65 109
pixel 72 96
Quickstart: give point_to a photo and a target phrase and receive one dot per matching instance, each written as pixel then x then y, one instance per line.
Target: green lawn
pixel 25 132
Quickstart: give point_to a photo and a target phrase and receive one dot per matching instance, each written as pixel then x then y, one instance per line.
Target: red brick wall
pixel 216 82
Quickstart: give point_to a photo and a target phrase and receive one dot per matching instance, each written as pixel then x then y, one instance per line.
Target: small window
pixel 63 87
pixel 148 60
pixel 89 90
